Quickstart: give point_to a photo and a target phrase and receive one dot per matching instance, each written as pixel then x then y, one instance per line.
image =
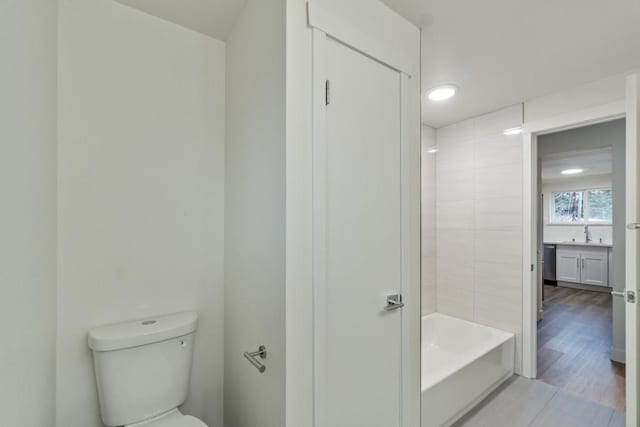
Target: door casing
pixel 410 206
pixel 374 29
pixel 632 241
pixel 591 116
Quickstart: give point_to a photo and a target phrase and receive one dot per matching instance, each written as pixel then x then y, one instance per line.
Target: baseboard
pixel 601 289
pixel 618 355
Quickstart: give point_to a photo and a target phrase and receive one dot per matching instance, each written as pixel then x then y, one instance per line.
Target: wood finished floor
pixel 574 344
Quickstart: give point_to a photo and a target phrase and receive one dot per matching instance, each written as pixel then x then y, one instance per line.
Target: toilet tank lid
pixel 141 332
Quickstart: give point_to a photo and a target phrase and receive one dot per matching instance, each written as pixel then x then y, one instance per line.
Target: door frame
pixel 632 281
pixel 531 131
pixel 380 47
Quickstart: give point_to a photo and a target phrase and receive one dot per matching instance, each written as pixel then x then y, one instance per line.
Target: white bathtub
pixel 462 362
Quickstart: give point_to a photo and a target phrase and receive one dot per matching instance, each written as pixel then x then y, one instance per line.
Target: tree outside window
pixel 600 202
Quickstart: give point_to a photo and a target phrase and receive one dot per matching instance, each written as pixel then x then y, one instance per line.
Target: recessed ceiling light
pixel 513 131
pixel 572 171
pixel 442 93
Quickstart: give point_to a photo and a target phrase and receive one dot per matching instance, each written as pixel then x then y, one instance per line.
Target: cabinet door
pixel 595 267
pixel 568 265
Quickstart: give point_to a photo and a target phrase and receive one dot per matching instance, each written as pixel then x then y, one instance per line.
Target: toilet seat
pixel 171 419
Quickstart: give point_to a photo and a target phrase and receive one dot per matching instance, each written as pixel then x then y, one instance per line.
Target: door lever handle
pixel 629 296
pixel 634 226
pixel 394 302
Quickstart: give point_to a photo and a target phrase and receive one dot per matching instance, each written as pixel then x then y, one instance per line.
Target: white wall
pixel 429 282
pixel 600 92
pixel 556 233
pixel 299 212
pixel 28 215
pixel 479 221
pixel 141 190
pixel 255 216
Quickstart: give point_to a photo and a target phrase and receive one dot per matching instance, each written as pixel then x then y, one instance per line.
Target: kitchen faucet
pixel 587 233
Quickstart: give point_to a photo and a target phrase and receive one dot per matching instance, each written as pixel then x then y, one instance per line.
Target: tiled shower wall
pixel 479 221
pixel 429 290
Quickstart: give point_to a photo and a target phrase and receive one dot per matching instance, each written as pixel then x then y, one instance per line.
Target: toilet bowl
pixel 142 371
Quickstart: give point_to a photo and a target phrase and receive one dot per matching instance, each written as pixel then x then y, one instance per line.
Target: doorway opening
pixel 580 241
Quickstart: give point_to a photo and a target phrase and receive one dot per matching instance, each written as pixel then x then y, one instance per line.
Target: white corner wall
pixel 479 222
pixel 28 46
pixel 429 282
pixel 254 304
pixel 141 192
pixel 299 208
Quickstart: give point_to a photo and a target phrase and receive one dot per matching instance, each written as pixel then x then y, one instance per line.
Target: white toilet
pixel 143 369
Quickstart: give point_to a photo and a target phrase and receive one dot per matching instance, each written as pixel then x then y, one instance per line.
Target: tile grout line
pixel 557 389
pixel 613 414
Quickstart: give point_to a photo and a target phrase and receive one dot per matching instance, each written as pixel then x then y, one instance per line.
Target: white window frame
pixel 586 206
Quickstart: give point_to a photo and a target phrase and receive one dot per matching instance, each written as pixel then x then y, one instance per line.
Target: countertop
pixel 592 244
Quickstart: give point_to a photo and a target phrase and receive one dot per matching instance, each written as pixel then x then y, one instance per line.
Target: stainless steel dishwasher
pixel 549 260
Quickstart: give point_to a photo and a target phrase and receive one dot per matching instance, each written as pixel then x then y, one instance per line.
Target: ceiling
pixel 504 52
pixel 499 52
pixel 214 18
pixel 594 162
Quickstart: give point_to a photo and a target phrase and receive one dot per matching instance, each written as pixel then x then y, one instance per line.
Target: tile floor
pixel 521 402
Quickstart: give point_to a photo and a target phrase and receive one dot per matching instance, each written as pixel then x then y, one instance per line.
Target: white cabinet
pixel 595 267
pixel 582 264
pixel 568 265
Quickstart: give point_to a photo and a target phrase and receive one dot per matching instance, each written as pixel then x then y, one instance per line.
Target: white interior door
pixel 633 248
pixel 358 241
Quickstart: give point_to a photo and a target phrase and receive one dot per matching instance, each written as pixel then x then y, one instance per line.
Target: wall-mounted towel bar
pixel 252 357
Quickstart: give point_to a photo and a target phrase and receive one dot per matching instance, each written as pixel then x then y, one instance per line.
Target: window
pixel 568 206
pixel 600 202
pixel 582 207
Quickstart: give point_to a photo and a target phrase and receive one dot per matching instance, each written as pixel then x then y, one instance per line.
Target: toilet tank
pixel 142 367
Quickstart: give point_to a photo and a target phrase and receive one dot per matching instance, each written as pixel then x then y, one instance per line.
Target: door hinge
pixel 327 92
pixel 532 267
